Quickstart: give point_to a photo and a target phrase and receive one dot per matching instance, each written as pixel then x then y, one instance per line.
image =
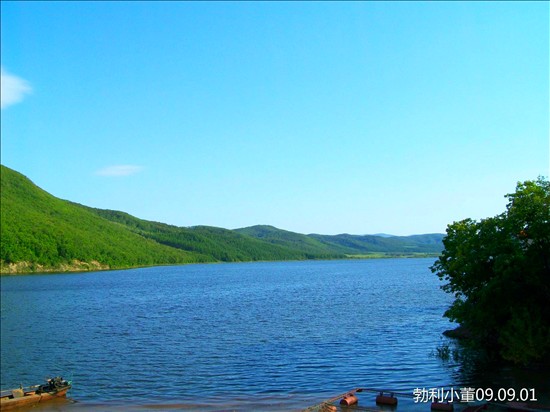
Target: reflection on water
pixel 267 336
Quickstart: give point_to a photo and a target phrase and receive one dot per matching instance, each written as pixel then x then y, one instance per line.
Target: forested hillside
pixel 350 245
pixel 40 232
pixel 217 243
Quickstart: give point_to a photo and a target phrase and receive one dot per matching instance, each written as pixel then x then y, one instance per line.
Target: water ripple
pixel 232 334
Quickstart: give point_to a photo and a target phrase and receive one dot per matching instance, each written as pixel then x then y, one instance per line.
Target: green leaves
pixel 499 272
pixel 535 336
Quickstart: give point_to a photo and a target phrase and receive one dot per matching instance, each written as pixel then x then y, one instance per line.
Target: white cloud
pixel 119 170
pixel 13 88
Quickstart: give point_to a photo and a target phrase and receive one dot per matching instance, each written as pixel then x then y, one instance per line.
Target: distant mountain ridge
pixel 347 244
pixel 39 232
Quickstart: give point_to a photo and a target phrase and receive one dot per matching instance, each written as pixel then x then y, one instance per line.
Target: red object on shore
pixel 349 399
pixel 386 400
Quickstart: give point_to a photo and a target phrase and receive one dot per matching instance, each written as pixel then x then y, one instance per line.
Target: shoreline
pixel 79 267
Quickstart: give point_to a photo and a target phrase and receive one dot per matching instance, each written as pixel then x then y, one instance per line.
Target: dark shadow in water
pixel 473 368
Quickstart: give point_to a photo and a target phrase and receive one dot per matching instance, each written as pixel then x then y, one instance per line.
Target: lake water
pixel 246 336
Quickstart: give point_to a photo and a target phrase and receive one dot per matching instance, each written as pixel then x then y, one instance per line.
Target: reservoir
pixel 244 336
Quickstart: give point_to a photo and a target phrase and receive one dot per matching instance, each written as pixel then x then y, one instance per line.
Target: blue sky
pixel 313 117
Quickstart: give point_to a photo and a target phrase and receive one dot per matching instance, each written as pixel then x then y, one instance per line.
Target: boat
pixel 16 398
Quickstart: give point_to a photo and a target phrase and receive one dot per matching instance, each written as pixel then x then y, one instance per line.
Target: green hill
pixel 39 232
pixel 393 245
pixel 217 243
pixel 304 243
pixel 350 245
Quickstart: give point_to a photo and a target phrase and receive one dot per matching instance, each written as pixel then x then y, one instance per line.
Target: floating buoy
pixel 442 406
pixel 349 399
pixel 386 400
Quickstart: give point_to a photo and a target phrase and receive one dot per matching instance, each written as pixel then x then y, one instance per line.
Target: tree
pixel 499 272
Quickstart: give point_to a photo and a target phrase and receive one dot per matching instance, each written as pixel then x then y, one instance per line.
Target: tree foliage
pixel 498 270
